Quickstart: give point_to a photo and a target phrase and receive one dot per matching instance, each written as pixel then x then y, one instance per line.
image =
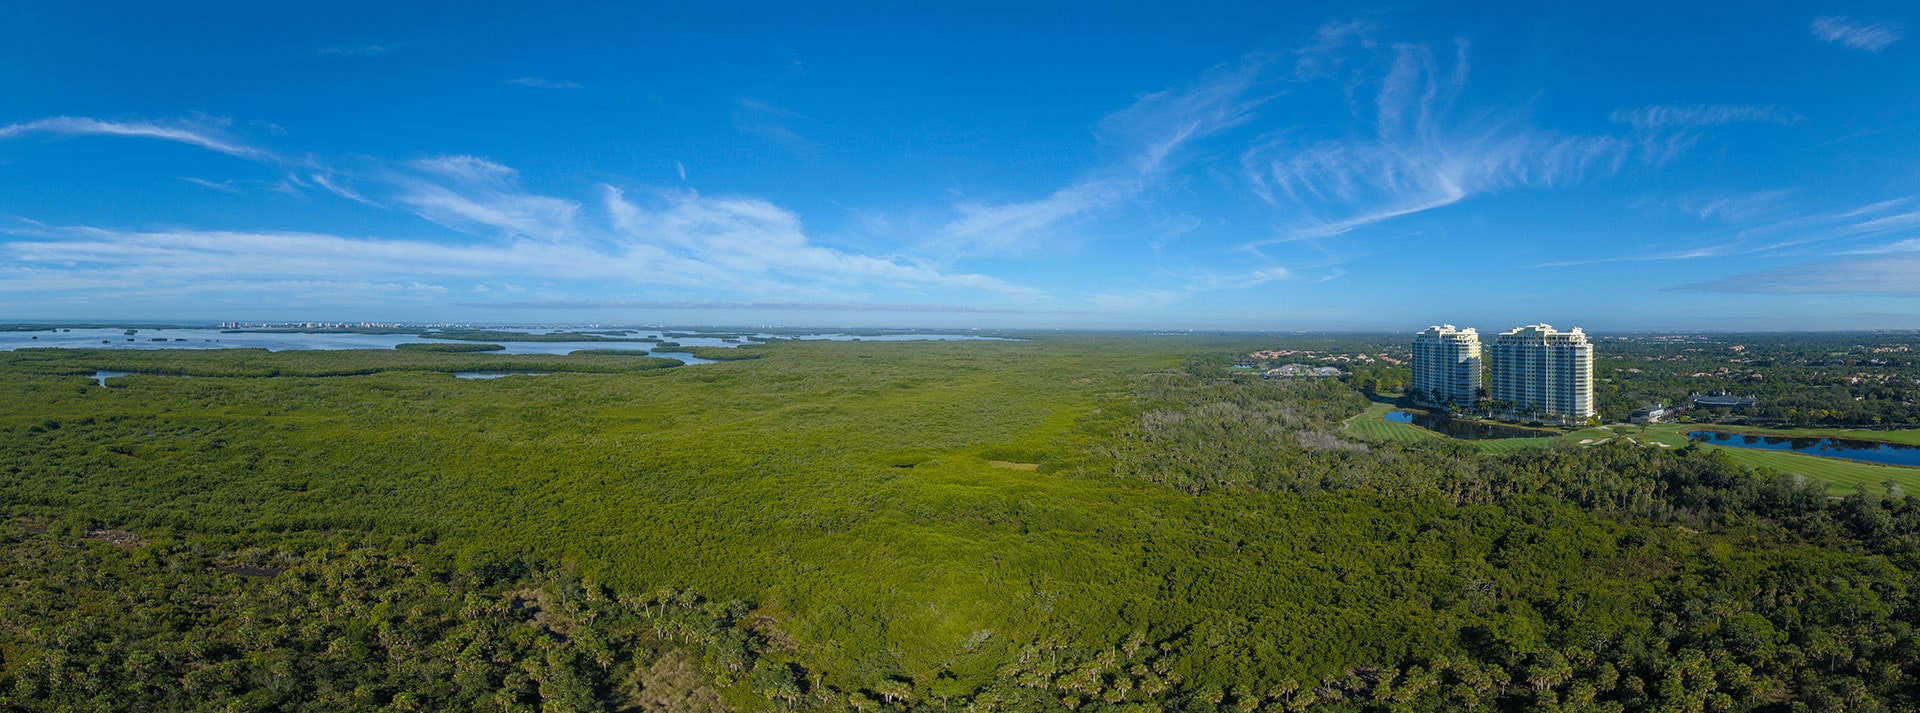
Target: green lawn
pixel 1839 475
pixel 1371 425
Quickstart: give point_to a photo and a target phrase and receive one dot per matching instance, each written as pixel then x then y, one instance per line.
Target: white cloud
pixel 483 198
pixel 735 244
pixel 226 187
pixel 1421 154
pixel 1417 159
pixel 539 83
pixel 1846 32
pixel 338 188
pixel 1847 231
pixel 1731 206
pixel 470 169
pixel 1891 276
pixel 769 122
pixel 204 133
pixel 367 50
pixel 1650 118
pixel 1242 280
pixel 492 212
pixel 684 239
pixel 1909 245
pixel 1147 137
pixel 747 238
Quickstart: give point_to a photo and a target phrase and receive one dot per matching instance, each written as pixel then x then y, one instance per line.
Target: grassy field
pixel 1840 476
pixel 1371 425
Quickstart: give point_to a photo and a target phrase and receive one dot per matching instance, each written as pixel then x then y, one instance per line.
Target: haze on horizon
pixel 1620 167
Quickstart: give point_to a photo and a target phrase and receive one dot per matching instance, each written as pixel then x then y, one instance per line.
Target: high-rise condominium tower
pixel 1543 373
pixel 1446 366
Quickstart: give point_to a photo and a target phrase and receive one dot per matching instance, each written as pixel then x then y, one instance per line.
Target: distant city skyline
pixel 1252 167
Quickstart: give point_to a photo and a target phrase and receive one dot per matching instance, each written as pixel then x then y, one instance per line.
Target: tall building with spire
pixel 1446 366
pixel 1542 373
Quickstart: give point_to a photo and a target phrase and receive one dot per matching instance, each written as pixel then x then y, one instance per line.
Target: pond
pixel 101 376
pixel 1847 449
pixel 1460 428
pixel 494 374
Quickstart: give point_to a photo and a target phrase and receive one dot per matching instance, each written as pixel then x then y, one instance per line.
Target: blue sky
pixel 1259 166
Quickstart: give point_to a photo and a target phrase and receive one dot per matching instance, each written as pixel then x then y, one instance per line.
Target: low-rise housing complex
pixel 1295 371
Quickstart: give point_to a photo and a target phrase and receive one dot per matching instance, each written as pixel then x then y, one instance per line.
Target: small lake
pixel 494 374
pixel 1864 451
pixel 1462 429
pixel 101 376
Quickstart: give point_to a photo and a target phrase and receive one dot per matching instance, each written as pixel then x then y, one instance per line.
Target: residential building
pixel 1294 371
pixel 1446 366
pixel 1544 374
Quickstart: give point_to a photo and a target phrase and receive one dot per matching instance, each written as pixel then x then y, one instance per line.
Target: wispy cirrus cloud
pixel 222 186
pixel 1851 33
pixel 1146 138
pixel 463 168
pixel 1653 118
pixel 1243 280
pixel 539 83
pixel 206 133
pixel 338 187
pixel 479 196
pixel 1886 276
pixel 1422 152
pixel 758 118
pixel 747 237
pixel 366 50
pixel 1418 158
pixel 1415 152
pixel 685 240
pixel 1731 206
pixel 1860 230
pixel 676 239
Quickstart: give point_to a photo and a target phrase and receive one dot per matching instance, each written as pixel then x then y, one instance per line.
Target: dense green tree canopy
pixel 1084 523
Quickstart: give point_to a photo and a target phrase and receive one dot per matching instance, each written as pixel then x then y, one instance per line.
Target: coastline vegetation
pixel 448 348
pixel 740 353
